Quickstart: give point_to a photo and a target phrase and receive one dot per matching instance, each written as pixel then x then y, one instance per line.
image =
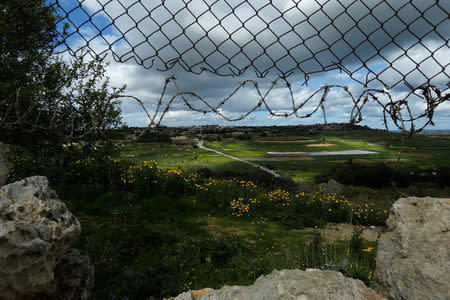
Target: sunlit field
pixel 420 151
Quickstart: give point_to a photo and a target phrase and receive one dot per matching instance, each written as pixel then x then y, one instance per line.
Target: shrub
pixel 154 137
pixel 355 174
pixel 443 176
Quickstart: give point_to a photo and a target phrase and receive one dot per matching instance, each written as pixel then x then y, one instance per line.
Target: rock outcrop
pixel 413 258
pixel 5 166
pixel 74 276
pixel 311 284
pixel 191 295
pixel 332 186
pixel 36 231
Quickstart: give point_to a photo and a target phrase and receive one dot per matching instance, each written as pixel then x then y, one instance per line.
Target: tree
pixel 42 96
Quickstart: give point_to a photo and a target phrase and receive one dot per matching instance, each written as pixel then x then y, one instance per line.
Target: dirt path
pixel 200 145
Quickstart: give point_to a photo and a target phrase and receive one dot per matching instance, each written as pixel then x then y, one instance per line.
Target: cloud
pixel 396 40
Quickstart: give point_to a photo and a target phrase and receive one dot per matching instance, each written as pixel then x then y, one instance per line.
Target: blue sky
pixel 119 21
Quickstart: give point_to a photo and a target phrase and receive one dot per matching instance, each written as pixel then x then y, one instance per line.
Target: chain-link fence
pixel 399 45
pixel 381 44
pixel 387 42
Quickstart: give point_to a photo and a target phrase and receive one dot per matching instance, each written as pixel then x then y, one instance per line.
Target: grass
pixel 155 232
pixel 178 156
pixel 420 150
pixel 189 220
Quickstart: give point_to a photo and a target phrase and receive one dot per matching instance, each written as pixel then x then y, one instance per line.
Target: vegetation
pixel 421 151
pixel 154 231
pixel 46 99
pixel 164 216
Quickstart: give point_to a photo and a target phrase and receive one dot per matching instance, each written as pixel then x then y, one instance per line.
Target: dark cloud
pixel 286 35
pixel 395 39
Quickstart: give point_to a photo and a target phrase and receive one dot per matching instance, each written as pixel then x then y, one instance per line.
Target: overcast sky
pixel 303 37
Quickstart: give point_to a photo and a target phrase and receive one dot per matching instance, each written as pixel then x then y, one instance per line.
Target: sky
pixel 391 39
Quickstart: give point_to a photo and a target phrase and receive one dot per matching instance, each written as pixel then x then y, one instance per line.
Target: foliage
pixel 144 226
pixel 154 137
pixel 259 178
pixel 381 175
pixel 235 197
pixel 356 174
pixel 443 176
pixel 44 98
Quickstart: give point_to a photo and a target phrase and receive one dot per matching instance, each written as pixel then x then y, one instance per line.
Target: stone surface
pixel 183 296
pixel 74 276
pixel 200 293
pixel 36 230
pixel 332 187
pixel 311 284
pixel 191 295
pixel 413 256
pixel 5 165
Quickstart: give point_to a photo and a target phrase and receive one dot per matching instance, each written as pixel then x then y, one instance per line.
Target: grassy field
pixel 156 232
pixel 159 218
pixel 422 151
pixel 169 155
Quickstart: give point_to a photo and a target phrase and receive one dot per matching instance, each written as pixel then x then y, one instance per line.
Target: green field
pixel 196 219
pixel 169 155
pixel 421 151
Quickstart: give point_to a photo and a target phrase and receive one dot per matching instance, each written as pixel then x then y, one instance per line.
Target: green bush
pixel 443 176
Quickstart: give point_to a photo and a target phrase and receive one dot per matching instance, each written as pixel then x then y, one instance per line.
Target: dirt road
pixel 200 145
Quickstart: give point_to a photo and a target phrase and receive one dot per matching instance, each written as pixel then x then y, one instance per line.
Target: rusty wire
pixel 393 109
pixel 87 29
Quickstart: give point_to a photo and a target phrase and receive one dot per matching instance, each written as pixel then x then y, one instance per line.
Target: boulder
pixel 36 230
pixel 191 295
pixel 311 284
pixel 200 293
pixel 74 276
pixel 332 187
pixel 5 165
pixel 413 256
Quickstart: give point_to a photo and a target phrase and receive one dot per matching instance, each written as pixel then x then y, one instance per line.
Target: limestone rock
pixel 200 293
pixel 191 295
pixel 183 296
pixel 413 256
pixel 74 276
pixel 36 229
pixel 5 165
pixel 332 186
pixel 311 284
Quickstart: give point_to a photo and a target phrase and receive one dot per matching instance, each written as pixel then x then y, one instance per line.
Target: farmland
pixel 422 151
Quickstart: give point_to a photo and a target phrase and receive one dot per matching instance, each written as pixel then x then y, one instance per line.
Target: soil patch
pixel 369 160
pixel 422 155
pixel 334 232
pixel 288 153
pixel 345 152
pixel 323 153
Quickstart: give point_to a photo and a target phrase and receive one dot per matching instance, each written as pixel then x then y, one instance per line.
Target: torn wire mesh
pixel 383 45
pixel 377 43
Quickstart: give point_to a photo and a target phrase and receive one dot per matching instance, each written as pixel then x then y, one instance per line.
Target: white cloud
pixel 154 20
